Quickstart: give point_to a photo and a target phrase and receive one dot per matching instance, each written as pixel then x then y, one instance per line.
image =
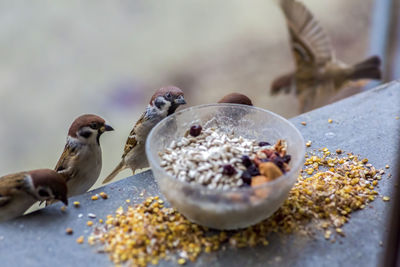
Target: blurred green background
pixel 65 58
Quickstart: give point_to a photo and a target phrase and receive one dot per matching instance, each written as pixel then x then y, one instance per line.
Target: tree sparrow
pixel 80 162
pixel 163 103
pixel 319 75
pixel 236 98
pixel 19 191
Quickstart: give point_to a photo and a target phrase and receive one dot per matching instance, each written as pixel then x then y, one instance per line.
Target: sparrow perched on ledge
pixel 19 191
pixel 319 75
pixel 163 103
pixel 80 162
pixel 236 98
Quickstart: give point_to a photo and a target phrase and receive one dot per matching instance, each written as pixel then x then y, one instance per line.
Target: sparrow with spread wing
pixel 163 103
pixel 80 163
pixel 319 75
pixel 19 191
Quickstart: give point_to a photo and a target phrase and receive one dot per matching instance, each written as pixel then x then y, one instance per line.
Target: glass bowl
pixel 234 208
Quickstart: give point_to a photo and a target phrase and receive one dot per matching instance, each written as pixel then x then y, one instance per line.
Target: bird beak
pixel 106 128
pixel 180 100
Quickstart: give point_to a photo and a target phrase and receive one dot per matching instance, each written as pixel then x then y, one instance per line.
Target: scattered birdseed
pixel 308 144
pixel 63 208
pixel 128 201
pixel 77 204
pixel 181 261
pixel 330 120
pixel 385 198
pixel 304 123
pixel 397 117
pixel 80 215
pixel 101 220
pixel 80 239
pixel 89 223
pixel 325 199
pixel 69 231
pixel 95 197
pixel 387 166
pixel 92 215
pixel 103 195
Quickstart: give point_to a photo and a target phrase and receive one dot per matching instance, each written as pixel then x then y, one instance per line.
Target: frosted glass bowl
pixel 235 208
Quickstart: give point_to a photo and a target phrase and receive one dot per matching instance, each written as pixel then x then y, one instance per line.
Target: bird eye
pixel 168 95
pixel 43 193
pixel 94 125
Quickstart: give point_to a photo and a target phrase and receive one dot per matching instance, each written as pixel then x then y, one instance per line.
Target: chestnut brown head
pixel 49 185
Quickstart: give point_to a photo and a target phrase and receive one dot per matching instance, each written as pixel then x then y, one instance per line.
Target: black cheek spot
pixel 43 193
pixel 85 134
pixel 159 103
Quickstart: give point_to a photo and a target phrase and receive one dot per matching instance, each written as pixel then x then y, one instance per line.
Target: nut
pixel 270 170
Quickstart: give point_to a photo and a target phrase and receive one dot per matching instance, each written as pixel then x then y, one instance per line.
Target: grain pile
pixel 330 187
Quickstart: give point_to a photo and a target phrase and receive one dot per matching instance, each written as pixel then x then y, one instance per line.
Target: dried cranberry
pixel 228 170
pixel 264 144
pixel 287 158
pixel 253 170
pixel 246 161
pixel 195 130
pixel 246 177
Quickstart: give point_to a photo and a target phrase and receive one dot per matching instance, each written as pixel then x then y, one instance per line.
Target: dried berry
pixel 253 170
pixel 228 170
pixel 279 162
pixel 195 130
pixel 246 161
pixel 286 158
pixel 246 177
pixel 264 144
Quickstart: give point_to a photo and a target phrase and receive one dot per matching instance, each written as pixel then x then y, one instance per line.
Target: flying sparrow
pixel 80 162
pixel 19 191
pixel 319 75
pixel 163 103
pixel 236 98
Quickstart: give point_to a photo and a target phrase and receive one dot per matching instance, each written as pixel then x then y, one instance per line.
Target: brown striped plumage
pixel 319 75
pixel 163 103
pixel 19 191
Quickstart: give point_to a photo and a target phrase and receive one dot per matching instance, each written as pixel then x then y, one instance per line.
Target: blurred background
pixel 62 59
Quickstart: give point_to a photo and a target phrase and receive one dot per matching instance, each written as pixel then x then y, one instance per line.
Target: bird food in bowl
pixel 225 166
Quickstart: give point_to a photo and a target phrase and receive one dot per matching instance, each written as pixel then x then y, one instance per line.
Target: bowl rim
pixel 234 190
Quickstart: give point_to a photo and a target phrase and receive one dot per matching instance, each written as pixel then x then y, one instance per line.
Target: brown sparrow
pixel 236 98
pixel 19 191
pixel 163 103
pixel 80 162
pixel 319 75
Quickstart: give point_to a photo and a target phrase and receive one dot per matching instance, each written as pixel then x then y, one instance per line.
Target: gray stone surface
pixel 364 124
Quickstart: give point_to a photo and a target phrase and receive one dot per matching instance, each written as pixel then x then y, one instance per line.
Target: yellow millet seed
pixel 80 239
pixel 385 198
pixel 335 187
pixel 181 261
pixel 95 197
pixel 77 204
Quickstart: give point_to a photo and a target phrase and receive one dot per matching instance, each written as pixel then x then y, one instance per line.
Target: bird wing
pixel 310 44
pixel 9 185
pixel 63 165
pixel 132 140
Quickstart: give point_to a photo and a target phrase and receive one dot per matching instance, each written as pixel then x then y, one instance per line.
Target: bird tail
pixel 367 69
pixel 120 167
